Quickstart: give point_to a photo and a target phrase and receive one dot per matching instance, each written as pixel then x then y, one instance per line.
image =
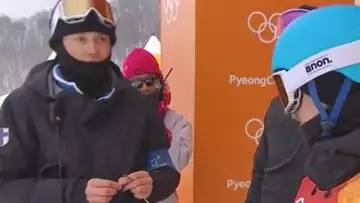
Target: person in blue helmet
pixel 316 68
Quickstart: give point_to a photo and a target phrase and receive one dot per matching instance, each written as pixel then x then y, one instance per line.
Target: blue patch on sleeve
pixel 4 136
pixel 158 158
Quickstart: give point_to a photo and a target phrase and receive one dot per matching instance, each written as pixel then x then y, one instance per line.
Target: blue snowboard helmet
pixel 318 42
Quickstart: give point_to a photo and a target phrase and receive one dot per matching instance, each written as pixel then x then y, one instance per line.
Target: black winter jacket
pixel 52 145
pixel 278 160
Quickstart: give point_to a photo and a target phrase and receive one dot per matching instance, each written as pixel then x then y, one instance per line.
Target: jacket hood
pixel 139 61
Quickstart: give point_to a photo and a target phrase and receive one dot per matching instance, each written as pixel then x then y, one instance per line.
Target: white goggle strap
pixel 54 18
pixel 321 63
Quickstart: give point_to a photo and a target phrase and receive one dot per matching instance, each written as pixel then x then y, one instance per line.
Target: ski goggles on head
pixel 287 17
pixel 288 82
pixel 75 11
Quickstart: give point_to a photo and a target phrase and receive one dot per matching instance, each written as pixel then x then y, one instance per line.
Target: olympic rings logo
pixel 266 24
pixel 171 10
pixel 258 133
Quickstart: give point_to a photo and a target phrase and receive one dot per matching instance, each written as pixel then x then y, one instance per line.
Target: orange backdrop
pixel 220 81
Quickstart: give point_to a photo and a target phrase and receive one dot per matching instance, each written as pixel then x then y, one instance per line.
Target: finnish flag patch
pixel 4 136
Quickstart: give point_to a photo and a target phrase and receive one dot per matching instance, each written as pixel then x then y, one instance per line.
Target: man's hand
pixel 101 191
pixel 139 183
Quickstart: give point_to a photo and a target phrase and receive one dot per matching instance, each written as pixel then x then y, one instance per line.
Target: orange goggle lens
pixel 73 9
pixel 281 90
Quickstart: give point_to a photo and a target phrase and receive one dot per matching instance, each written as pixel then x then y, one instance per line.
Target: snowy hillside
pixel 24 43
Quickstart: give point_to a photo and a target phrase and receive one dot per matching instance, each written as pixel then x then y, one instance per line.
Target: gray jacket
pixel 182 143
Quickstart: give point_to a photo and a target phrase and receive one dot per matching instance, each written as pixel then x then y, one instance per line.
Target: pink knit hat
pixel 139 61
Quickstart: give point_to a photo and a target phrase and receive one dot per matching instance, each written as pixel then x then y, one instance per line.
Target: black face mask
pixel 92 78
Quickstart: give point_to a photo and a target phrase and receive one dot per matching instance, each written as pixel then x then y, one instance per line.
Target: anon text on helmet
pixel 317 64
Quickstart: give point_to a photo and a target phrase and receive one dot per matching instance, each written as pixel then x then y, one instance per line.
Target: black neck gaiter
pixel 92 78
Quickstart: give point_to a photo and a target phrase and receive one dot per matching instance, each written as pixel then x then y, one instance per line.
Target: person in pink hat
pixel 144 74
